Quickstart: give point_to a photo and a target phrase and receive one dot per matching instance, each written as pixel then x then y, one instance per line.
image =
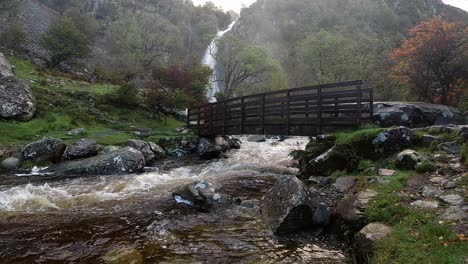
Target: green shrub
pixel 365 164
pixel 13 37
pixel 425 166
pixel 126 95
pixel 464 153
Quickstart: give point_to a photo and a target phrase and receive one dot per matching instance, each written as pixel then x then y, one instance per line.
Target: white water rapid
pixel 210 61
pixel 253 159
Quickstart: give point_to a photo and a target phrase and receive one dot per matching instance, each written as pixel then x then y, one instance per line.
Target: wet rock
pixel 83 148
pixel 287 207
pixel 431 192
pixel 322 215
pixel 202 194
pixel 343 184
pixel 9 164
pixel 450 147
pixel 390 141
pixel 124 161
pixel 321 181
pixel 338 158
pixel 425 204
pixel 389 114
pixel 427 140
pixel 256 138
pixel 385 172
pixel 454 213
pixel 409 159
pixel 76 132
pixel 208 150
pixel 44 150
pixel 110 148
pixel 179 147
pixel 150 150
pixel 453 199
pixel 227 143
pixel 367 237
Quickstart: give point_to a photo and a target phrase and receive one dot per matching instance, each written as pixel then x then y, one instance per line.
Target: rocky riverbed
pixel 135 219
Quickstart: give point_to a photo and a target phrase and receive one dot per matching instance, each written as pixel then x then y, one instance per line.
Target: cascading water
pixel 210 61
pixel 84 220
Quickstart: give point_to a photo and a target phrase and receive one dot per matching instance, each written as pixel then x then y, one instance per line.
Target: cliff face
pixel 35 18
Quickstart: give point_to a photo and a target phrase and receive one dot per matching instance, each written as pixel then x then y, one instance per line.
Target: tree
pixel 433 62
pixel 144 39
pixel 177 87
pixel 245 69
pixel 65 42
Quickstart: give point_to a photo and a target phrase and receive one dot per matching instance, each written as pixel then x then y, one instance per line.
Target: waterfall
pixel 211 62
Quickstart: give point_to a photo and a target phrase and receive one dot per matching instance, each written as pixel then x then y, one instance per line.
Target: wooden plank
pixel 242 115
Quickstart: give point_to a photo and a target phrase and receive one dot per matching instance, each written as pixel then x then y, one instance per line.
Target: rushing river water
pixel 133 219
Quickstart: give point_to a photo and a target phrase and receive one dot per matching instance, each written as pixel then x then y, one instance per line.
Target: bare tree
pixel 242 66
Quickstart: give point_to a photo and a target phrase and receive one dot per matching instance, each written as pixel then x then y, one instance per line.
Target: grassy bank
pixel 64 104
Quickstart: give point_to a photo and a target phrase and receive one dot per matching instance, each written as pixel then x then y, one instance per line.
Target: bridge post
pixel 262 115
pixel 359 105
pixel 371 105
pixel 242 115
pixel 288 112
pixel 225 125
pixel 211 120
pixel 198 120
pixel 188 118
pixel 319 108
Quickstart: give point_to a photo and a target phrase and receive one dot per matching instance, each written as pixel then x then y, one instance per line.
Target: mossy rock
pixel 338 158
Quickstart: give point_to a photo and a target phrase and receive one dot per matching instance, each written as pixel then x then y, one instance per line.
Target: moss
pixel 464 153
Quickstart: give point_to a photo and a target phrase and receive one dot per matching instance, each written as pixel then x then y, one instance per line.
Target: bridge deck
pixel 305 111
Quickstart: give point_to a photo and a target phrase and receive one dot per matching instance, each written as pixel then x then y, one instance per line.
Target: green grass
pixel 347 137
pixel 65 104
pixel 417 237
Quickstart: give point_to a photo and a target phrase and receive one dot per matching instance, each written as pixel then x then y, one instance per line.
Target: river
pixel 133 218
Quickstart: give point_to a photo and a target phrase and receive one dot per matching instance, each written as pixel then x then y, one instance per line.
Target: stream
pixel 134 219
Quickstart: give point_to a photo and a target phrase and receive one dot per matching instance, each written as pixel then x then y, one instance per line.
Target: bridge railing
pixel 304 111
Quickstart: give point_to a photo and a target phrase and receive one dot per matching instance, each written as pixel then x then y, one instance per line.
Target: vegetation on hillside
pixel 334 40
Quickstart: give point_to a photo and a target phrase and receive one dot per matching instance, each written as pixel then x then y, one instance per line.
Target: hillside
pixel 333 40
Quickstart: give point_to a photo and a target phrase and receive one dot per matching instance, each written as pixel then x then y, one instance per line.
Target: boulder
pixel 76 132
pixel 9 164
pixel 454 213
pixel 150 150
pixel 179 147
pixel 227 143
pixel 208 150
pixel 409 159
pixel 288 206
pixel 322 215
pixel 44 150
pixel 124 161
pixel 452 199
pixel 256 138
pixel 16 100
pixel 343 184
pixel 388 114
pixel 6 70
pixel 392 140
pixel 366 238
pixel 450 147
pixel 203 195
pixel 338 158
pixel 83 148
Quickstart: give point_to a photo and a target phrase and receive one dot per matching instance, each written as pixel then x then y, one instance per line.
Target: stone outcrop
pixel 44 150
pixel 366 238
pixel 16 99
pixel 389 114
pixel 124 161
pixel 203 195
pixel 288 206
pixel 150 150
pixel 83 148
pixel 208 150
pixel 409 159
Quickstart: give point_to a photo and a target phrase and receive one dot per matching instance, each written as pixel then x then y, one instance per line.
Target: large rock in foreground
pixel 124 161
pixel 44 150
pixel 16 99
pixel 288 206
pixel 150 150
pixel 366 238
pixel 83 148
pixel 387 114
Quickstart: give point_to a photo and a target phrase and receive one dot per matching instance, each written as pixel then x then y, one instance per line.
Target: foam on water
pixel 252 159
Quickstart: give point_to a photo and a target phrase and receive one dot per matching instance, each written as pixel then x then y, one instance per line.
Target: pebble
pixel 454 213
pixel 437 180
pixel 450 185
pixel 453 199
pixel 386 172
pixel 425 204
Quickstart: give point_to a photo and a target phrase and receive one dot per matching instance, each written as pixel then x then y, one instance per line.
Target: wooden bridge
pixel 306 111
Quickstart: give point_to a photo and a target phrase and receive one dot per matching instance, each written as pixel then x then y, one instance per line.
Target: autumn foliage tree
pixel 433 62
